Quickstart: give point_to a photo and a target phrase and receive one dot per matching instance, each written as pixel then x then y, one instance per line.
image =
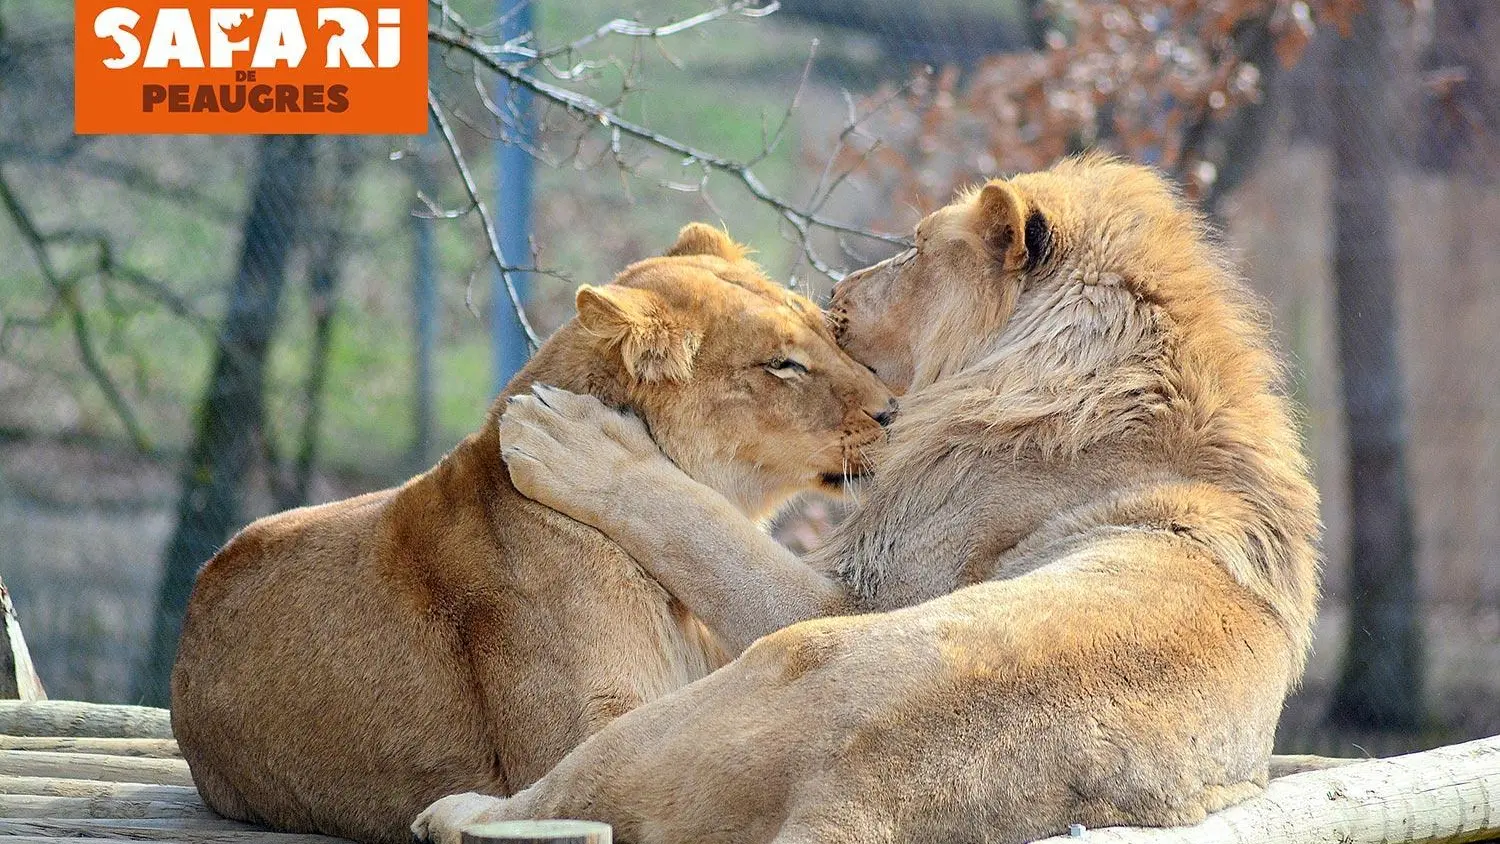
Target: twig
pixel 636 29
pixel 130 176
pixel 824 189
pixel 817 263
pixel 110 267
pixel 67 294
pixel 769 147
pixel 446 130
pixel 627 27
pixel 581 104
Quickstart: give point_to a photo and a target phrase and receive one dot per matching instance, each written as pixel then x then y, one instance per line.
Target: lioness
pixel 343 666
pixel 1092 459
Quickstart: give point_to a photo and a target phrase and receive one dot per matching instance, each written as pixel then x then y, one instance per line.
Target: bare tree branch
pixel 66 290
pixel 126 174
pixel 586 107
pixel 768 147
pixel 505 267
pixel 636 29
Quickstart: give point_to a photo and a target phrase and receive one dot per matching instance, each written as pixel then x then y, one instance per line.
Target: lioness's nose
pixel 887 416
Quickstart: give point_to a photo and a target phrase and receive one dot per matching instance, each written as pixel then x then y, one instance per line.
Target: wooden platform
pixel 76 773
pixel 94 772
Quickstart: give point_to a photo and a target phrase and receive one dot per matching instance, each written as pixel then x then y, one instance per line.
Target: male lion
pixel 1094 489
pixel 343 666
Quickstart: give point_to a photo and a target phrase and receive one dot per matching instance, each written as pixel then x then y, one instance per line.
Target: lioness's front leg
pixel 601 467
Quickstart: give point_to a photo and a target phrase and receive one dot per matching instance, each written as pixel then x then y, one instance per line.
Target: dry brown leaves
pixel 1142 79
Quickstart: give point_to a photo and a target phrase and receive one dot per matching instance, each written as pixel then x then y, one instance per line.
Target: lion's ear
pixel 635 323
pixel 1000 216
pixel 703 239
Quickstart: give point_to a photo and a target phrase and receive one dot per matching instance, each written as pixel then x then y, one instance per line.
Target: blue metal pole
pixel 425 305
pixel 514 174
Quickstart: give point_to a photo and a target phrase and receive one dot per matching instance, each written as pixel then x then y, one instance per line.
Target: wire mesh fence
pixel 197 332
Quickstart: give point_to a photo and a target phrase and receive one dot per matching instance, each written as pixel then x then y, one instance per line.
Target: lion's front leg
pixel 722 761
pixel 600 467
pixel 444 821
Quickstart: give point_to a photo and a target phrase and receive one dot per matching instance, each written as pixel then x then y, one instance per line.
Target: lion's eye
pixel 786 368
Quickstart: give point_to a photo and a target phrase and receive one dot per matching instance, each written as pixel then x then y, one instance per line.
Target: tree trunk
pixel 224 444
pixel 1380 685
pixel 1036 24
pixel 325 273
pixel 1461 140
pixel 424 310
pixel 1237 143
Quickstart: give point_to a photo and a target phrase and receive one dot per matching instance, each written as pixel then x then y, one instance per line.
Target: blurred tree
pixel 231 413
pixel 1380 685
pixel 515 191
pixel 1035 24
pixel 424 307
pixel 328 229
pixel 1461 122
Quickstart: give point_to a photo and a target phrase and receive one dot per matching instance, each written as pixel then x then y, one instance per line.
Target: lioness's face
pixel 739 379
pixel 913 317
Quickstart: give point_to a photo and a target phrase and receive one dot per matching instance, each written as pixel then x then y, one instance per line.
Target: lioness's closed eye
pixel 343 666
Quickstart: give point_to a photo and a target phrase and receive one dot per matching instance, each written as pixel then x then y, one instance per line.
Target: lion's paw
pixel 577 417
pixel 572 452
pixel 444 821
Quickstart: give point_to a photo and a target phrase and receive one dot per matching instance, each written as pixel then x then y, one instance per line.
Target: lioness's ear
pixel 1000 217
pixel 651 346
pixel 703 239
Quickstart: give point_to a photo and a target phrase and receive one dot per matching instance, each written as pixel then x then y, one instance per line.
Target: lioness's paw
pixel 443 822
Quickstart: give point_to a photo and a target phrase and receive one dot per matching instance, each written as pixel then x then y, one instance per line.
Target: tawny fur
pixel 342 666
pixel 1086 559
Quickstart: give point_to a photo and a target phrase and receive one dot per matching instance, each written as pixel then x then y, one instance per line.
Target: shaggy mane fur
pixel 1136 336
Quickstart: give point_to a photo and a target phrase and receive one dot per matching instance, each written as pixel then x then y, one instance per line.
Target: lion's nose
pixel 887 416
pixel 841 287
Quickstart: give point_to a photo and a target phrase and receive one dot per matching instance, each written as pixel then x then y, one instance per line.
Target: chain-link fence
pixel 196 332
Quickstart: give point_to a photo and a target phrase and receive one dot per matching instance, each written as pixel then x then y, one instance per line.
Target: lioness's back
pixel 284 624
pixel 420 594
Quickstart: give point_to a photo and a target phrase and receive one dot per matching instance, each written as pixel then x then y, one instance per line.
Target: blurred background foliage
pixel 120 258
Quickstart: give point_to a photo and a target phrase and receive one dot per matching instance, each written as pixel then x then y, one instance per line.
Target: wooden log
pixel 145 748
pixel 1285 766
pixel 151 830
pixel 93 766
pixel 538 832
pixel 49 787
pixel 36 806
pixel 106 827
pixel 186 838
pixel 18 677
pixel 83 720
pixel 1445 795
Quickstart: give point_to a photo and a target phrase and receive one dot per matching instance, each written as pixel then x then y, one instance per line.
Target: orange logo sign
pixel 293 67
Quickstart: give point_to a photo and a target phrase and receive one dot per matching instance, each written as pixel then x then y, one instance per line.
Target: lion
pixel 342 666
pixel 1077 587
